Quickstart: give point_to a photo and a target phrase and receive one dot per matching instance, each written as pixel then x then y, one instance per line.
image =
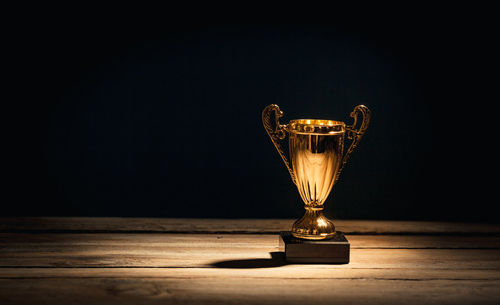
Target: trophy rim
pixel 316 126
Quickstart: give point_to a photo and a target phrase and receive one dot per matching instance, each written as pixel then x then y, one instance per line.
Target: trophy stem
pixel 313 225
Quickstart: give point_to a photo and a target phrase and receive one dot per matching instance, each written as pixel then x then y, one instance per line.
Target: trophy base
pixel 331 251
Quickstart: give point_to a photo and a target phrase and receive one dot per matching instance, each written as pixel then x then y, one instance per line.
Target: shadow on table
pixel 277 260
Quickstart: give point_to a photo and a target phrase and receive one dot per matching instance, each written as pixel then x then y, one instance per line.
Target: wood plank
pixel 151 225
pixel 244 291
pixel 185 250
pixel 291 271
pixel 253 258
pixel 111 241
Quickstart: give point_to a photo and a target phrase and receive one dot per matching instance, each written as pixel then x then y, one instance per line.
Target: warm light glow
pixel 322 222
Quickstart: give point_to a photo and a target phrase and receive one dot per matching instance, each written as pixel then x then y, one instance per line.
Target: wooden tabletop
pixel 221 261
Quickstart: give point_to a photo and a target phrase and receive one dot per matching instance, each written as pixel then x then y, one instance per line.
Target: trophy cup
pixel 317 158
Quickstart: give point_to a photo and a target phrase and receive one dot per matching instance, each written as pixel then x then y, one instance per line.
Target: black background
pixel 138 113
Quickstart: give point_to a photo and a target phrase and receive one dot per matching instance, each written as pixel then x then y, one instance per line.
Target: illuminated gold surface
pixel 316 153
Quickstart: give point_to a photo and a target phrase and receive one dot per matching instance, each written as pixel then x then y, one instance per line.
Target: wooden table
pixel 194 261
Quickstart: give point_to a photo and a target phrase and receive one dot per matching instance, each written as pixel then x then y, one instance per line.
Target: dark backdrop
pixel 140 115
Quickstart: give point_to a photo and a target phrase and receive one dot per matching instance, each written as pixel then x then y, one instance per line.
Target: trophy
pixel 317 158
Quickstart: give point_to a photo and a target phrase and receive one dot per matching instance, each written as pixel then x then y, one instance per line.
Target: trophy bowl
pixel 317 158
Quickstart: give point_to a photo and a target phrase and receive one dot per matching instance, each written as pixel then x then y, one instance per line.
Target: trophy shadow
pixel 277 260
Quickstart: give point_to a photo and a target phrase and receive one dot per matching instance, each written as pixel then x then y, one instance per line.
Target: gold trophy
pixel 317 158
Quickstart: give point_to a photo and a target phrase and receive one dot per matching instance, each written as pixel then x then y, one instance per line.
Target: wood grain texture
pixel 179 225
pixel 67 261
pixel 205 250
pixel 289 271
pixel 242 291
pixel 166 240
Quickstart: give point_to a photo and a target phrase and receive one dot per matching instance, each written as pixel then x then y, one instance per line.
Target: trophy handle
pixel 277 133
pixel 354 134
